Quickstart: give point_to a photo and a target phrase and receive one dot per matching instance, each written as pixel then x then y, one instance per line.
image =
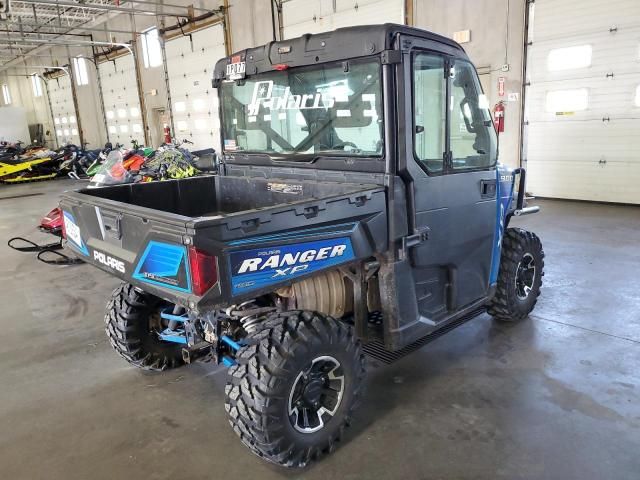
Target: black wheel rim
pixel 525 276
pixel 316 394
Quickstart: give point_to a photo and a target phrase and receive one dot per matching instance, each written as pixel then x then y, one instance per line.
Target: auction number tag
pixel 236 69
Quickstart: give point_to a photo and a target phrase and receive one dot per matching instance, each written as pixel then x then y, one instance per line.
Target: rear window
pixel 333 109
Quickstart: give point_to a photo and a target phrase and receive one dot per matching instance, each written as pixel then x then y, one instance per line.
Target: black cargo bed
pixel 214 196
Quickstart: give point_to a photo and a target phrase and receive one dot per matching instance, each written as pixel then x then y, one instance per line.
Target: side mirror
pixel 419 129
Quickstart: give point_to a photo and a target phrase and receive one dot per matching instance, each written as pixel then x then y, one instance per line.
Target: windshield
pixel 333 109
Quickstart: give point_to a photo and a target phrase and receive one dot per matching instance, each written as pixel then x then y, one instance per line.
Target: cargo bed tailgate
pixel 120 242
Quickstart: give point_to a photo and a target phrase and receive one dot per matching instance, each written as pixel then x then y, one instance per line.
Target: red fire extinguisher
pixel 167 134
pixel 498 116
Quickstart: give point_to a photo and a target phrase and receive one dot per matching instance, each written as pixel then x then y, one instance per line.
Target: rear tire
pixel 295 386
pixel 132 325
pixel 520 276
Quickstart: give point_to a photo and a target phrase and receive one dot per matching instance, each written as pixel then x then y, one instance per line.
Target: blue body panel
pixel 258 268
pixel 504 196
pixel 165 265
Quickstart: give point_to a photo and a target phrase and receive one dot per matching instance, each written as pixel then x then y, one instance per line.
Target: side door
pixel 451 160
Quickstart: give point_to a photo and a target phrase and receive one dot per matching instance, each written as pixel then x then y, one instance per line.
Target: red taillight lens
pixel 204 270
pixel 64 228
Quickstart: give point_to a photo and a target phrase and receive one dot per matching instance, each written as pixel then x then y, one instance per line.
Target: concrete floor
pixel 555 397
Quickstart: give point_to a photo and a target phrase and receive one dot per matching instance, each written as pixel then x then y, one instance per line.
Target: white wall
pixel 250 23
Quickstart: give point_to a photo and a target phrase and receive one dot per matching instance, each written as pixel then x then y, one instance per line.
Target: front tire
pixel 520 276
pixel 132 323
pixel 295 387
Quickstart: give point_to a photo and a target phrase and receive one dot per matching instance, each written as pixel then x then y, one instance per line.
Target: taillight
pixel 204 270
pixel 64 228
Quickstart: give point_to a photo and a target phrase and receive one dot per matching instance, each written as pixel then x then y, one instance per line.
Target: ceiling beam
pixel 5 51
pixel 88 6
pixel 87 24
pixel 172 5
pixel 23 33
pixel 65 41
pixel 97 20
pixel 71 27
pixel 112 8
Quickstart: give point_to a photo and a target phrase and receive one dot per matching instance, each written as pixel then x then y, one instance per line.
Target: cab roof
pixel 341 44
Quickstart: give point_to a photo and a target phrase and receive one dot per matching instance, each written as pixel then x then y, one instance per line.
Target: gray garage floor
pixel 555 397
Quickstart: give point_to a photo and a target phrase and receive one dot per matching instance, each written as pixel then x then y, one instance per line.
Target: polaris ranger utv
pixel 359 208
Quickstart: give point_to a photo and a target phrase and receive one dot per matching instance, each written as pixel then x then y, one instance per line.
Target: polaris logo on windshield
pixel 108 261
pixel 263 95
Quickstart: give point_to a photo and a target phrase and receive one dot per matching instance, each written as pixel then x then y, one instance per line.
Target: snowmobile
pixel 95 163
pixel 133 160
pixel 32 164
pixel 112 171
pixel 78 160
pixel 10 150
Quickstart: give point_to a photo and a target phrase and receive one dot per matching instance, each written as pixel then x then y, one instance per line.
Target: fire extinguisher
pixel 498 116
pixel 167 134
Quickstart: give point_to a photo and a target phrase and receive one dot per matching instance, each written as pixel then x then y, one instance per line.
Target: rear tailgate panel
pixel 116 242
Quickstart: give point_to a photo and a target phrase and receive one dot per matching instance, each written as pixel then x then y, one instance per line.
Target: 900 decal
pixel 257 268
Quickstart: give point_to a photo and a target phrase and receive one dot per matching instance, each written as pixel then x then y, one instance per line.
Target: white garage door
pixel 315 16
pixel 121 100
pixel 63 110
pixel 194 102
pixel 583 102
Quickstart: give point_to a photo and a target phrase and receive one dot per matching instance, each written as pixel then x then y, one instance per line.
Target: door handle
pixel 488 188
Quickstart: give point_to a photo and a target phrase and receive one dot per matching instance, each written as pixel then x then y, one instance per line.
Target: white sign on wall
pixel 13 125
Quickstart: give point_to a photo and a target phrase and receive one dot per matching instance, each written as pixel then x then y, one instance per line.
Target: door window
pixel 473 140
pixel 429 111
